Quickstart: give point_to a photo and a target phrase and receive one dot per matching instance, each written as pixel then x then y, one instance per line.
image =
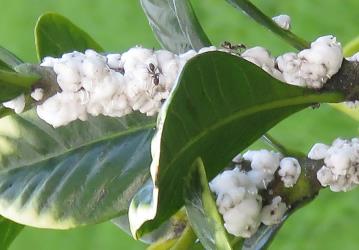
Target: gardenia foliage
pixel 142 79
pixel 262 186
pixel 237 191
pixel 341 164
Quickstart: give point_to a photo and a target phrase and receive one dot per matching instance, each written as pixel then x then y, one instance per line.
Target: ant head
pixel 151 66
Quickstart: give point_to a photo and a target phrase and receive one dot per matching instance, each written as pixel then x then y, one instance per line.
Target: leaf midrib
pixel 299 100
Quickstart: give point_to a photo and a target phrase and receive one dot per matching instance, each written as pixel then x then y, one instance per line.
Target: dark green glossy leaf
pixel 202 210
pixel 13 84
pixel 221 105
pixel 252 11
pixel 8 232
pixel 8 61
pixel 175 24
pixel 56 35
pixel 80 174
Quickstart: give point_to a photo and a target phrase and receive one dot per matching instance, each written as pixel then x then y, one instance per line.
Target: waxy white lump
pixel 238 198
pixel 264 163
pixel 273 213
pixel 283 21
pixel 37 94
pixel 262 57
pixel 238 201
pixel 141 79
pixel 112 85
pixel 309 68
pixel 341 164
pixel 314 66
pixel 318 151
pixel 289 171
pixel 352 104
pixel 353 58
pixel 17 104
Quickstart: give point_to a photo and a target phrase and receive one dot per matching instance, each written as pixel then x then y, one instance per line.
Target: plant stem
pixel 186 240
pixel 252 11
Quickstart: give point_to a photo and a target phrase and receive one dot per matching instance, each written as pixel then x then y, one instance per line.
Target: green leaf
pixel 56 35
pixel 83 173
pixel 175 25
pixel 4 111
pixel 8 61
pixel 13 84
pixel 8 232
pixel 257 15
pixel 352 47
pixel 202 210
pixel 220 105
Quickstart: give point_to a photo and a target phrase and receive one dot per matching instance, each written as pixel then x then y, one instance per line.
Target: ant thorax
pixel 154 72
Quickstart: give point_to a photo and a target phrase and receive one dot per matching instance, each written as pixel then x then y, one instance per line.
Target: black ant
pixel 233 47
pixel 155 73
pixel 315 106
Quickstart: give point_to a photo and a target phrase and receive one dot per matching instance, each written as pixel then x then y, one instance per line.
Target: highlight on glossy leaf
pixel 56 35
pixel 219 106
pixel 175 25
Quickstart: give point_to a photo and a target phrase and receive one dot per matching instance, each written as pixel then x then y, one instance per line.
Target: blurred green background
pixel 330 222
